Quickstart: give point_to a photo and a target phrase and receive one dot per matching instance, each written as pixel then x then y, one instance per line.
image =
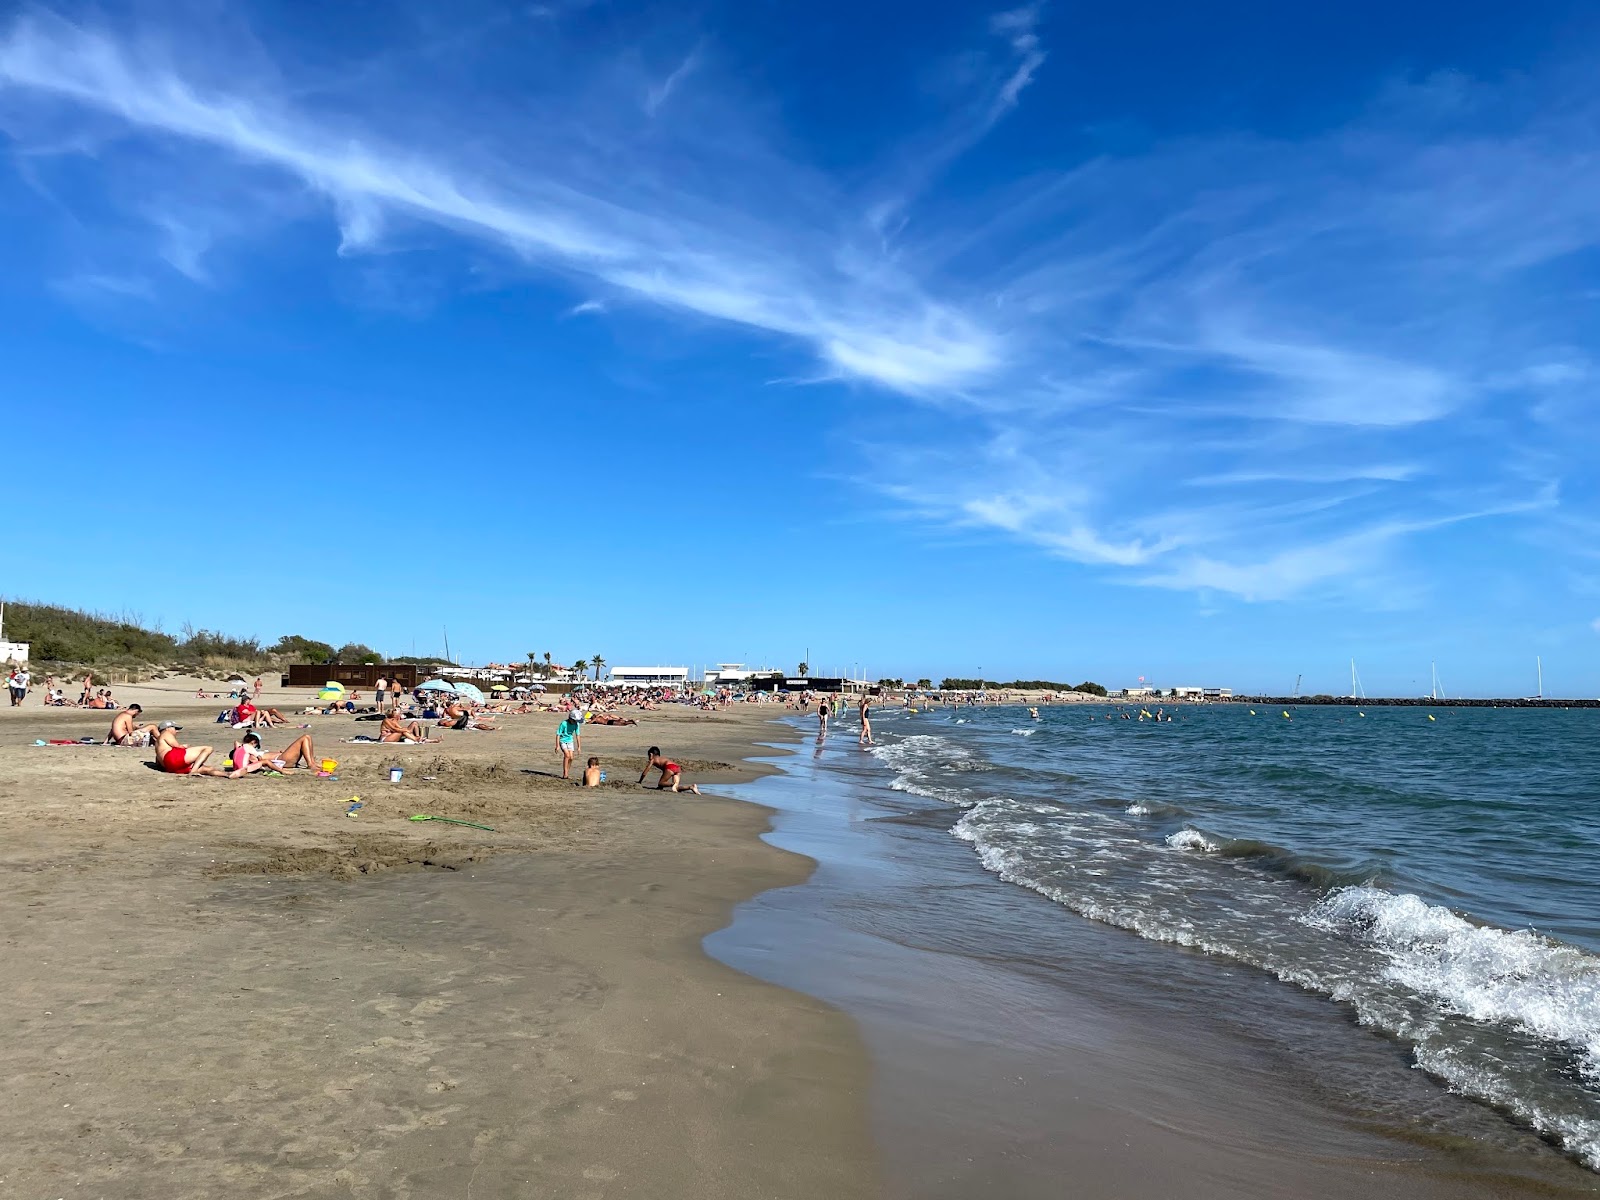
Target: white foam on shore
pixel 922 761
pixel 1513 977
pixel 1409 968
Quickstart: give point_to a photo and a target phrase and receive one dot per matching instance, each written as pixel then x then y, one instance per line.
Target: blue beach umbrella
pixel 437 685
pixel 469 691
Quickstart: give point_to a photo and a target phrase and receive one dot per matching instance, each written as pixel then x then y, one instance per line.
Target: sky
pixel 1210 344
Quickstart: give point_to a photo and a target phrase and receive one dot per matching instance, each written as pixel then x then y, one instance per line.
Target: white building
pixel 650 676
pixel 14 652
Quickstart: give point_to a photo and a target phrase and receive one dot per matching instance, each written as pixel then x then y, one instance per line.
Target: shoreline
pixel 529 1006
pixel 1015 1043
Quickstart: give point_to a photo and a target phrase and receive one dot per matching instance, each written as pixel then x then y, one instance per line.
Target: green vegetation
pixel 69 636
pixel 60 634
pixel 1022 685
pixel 303 649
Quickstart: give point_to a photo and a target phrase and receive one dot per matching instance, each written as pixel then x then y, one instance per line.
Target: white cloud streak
pixel 880 329
pixel 1336 346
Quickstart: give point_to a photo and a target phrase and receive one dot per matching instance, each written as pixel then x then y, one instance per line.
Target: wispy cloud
pixel 1250 367
pixel 681 251
pixel 659 93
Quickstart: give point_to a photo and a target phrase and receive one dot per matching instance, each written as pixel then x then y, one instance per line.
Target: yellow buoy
pixel 1430 716
pixel 1286 715
pixel 1252 712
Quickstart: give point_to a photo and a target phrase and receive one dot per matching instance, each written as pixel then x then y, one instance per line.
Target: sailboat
pixel 1538 663
pixel 1357 692
pixel 1437 693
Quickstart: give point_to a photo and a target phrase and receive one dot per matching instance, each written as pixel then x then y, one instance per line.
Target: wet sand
pixel 230 988
pixel 1021 1051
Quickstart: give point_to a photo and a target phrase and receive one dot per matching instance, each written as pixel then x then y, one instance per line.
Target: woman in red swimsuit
pixel 671 773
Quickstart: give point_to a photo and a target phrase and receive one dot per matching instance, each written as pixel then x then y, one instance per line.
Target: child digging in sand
pixel 671 773
pixel 593 776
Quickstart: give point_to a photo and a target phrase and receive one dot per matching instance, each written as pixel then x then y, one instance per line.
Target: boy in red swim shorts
pixel 671 773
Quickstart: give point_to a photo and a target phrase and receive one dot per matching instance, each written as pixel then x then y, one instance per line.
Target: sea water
pixel 1436 877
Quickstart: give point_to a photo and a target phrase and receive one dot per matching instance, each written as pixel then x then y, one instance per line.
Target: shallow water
pixel 1387 871
pixel 1435 874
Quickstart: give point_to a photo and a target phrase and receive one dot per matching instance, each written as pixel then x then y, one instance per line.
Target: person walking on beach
pixel 866 721
pixel 17 681
pixel 822 718
pixel 569 740
pixel 88 691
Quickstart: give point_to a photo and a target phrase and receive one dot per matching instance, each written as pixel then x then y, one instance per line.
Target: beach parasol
pixel 536 687
pixel 437 685
pixel 470 691
pixel 332 690
pixel 499 687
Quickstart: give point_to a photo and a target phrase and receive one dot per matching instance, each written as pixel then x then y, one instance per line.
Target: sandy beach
pixel 231 988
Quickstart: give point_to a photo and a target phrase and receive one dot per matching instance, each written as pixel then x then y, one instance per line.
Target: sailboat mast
pixel 1538 662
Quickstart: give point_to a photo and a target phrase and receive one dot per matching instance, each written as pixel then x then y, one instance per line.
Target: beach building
pixel 650 676
pixel 11 652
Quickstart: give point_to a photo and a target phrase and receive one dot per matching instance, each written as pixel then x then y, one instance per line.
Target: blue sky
pixel 1215 344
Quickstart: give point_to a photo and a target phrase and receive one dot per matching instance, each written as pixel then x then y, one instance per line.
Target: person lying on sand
pixel 182 760
pixel 247 715
pixel 458 717
pixel 396 728
pixel 671 773
pixel 611 719
pixel 248 757
pixel 126 731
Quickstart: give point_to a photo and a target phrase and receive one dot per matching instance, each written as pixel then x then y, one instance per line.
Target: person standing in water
pixel 866 720
pixel 822 718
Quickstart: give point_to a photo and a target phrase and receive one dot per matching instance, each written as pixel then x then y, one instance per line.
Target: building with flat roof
pixel 650 676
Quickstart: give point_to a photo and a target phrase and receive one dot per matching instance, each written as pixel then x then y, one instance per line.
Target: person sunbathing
pixel 126 731
pixel 396 729
pixel 458 717
pixel 671 773
pixel 248 716
pixel 248 757
pixel 176 759
pixel 611 719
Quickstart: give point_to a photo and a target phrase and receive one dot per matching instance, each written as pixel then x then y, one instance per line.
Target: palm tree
pixel 533 663
pixel 805 669
pixel 597 662
pixel 548 669
pixel 580 666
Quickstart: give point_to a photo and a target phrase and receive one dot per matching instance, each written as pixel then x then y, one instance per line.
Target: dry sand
pixel 220 988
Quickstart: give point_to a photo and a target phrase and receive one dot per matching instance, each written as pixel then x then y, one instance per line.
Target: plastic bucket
pixel 394 774
pixel 330 765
